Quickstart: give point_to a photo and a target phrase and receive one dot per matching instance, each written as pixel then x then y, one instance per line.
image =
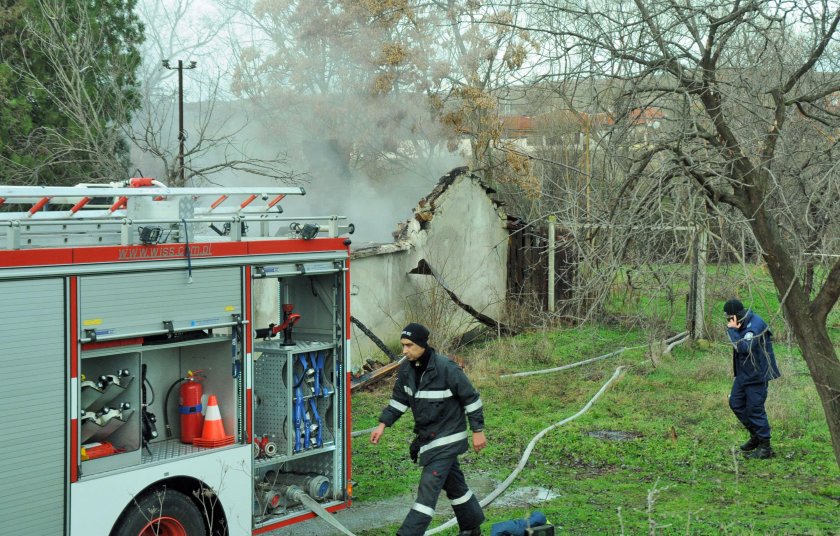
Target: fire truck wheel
pixel 163 512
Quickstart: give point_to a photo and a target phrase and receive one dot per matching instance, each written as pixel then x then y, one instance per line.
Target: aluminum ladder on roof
pixel 62 216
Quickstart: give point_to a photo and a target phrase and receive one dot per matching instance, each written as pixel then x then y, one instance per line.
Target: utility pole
pixel 181 135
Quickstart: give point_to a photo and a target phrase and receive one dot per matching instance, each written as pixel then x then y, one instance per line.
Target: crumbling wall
pixel 460 231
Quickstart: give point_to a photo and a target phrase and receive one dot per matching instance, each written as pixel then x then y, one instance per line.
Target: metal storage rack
pixel 295 465
pixel 274 410
pixel 108 411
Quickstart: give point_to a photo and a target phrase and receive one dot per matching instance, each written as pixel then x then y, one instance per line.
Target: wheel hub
pixel 163 526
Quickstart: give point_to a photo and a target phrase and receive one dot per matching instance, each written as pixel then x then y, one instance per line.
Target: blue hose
pixel 517 527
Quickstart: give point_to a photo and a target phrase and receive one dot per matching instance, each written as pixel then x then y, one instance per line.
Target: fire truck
pixel 175 361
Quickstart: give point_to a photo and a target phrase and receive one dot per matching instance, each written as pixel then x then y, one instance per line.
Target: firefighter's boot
pixel 762 451
pixel 751 444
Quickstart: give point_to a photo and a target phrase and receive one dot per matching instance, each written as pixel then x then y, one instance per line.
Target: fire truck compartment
pixel 157 302
pixel 34 413
pixel 211 364
pixel 164 364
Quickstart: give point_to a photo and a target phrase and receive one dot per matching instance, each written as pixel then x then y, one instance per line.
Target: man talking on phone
pixel 754 365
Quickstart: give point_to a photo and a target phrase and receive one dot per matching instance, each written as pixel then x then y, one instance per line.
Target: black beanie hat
pixel 734 307
pixel 416 333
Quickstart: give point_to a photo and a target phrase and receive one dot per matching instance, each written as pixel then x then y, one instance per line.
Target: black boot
pixel 471 532
pixel 751 443
pixel 762 451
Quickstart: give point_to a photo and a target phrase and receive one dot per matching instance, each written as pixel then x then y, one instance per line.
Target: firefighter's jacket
pixel 753 359
pixel 439 403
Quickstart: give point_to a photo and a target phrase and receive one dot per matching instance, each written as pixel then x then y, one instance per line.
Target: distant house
pixel 555 129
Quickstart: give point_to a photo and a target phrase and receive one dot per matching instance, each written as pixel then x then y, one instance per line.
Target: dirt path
pixel 365 516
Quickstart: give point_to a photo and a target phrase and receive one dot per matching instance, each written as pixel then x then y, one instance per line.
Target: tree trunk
pixel 697 284
pixel 819 354
pixel 811 334
pixel 808 278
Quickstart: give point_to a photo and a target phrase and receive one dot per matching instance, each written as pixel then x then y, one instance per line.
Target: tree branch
pixel 828 294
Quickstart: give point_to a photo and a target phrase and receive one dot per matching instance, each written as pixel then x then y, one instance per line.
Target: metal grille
pixel 265 462
pixel 272 407
pixel 341 404
pixel 320 463
pixel 276 346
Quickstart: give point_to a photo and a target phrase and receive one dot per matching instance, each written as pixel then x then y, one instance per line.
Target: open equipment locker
pixel 135 302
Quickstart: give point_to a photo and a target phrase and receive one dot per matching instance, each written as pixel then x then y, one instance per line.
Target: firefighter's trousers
pixel 442 474
pixel 747 403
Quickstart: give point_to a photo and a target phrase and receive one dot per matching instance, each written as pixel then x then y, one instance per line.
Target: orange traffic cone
pixel 213 434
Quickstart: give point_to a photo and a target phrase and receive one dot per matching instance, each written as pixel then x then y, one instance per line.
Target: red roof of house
pixel 521 123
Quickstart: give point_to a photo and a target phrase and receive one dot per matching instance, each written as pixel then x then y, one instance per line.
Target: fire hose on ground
pixel 671 343
pixel 527 454
pixel 319 510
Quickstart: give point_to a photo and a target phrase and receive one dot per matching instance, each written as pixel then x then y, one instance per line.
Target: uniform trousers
pixel 443 474
pixel 747 403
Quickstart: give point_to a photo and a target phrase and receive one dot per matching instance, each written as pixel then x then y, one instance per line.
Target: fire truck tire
pixel 163 512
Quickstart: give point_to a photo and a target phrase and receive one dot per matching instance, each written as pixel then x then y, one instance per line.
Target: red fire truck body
pixel 169 368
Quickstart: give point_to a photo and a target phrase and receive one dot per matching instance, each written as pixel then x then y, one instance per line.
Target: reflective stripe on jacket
pixel 753 359
pixel 440 403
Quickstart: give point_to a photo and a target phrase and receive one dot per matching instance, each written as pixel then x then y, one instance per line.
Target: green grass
pixel 681 473
pixel 657 298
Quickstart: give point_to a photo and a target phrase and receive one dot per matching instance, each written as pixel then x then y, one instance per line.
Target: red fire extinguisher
pixel 189 406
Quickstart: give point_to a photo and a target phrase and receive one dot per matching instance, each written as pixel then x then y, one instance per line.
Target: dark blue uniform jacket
pixel 753 360
pixel 439 403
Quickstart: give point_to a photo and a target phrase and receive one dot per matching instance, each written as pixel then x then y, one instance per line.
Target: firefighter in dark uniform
pixel 754 365
pixel 440 396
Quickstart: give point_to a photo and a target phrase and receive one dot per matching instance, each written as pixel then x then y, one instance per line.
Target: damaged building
pixel 459 232
pixel 448 268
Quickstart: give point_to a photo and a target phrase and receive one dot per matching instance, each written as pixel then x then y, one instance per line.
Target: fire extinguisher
pixel 189 407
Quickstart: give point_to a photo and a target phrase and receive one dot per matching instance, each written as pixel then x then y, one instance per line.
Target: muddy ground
pixel 366 516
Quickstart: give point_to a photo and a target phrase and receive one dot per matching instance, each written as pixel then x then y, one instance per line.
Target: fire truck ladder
pixel 147 212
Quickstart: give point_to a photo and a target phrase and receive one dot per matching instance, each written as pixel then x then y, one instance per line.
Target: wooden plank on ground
pixel 374 376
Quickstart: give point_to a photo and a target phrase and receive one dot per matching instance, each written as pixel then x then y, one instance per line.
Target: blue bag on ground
pixel 517 527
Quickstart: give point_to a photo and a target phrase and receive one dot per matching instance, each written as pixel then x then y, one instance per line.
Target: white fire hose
pixel 671 343
pixel 527 454
pixel 313 505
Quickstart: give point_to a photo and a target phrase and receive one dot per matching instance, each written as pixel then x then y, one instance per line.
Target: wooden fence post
pixel 551 298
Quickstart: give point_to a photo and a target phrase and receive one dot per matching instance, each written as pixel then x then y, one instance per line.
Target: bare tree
pixel 106 105
pixel 488 57
pixel 389 85
pixel 745 94
pixel 213 143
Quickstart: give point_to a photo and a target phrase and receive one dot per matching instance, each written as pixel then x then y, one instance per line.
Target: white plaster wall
pixel 266 302
pixel 377 286
pixel 465 242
